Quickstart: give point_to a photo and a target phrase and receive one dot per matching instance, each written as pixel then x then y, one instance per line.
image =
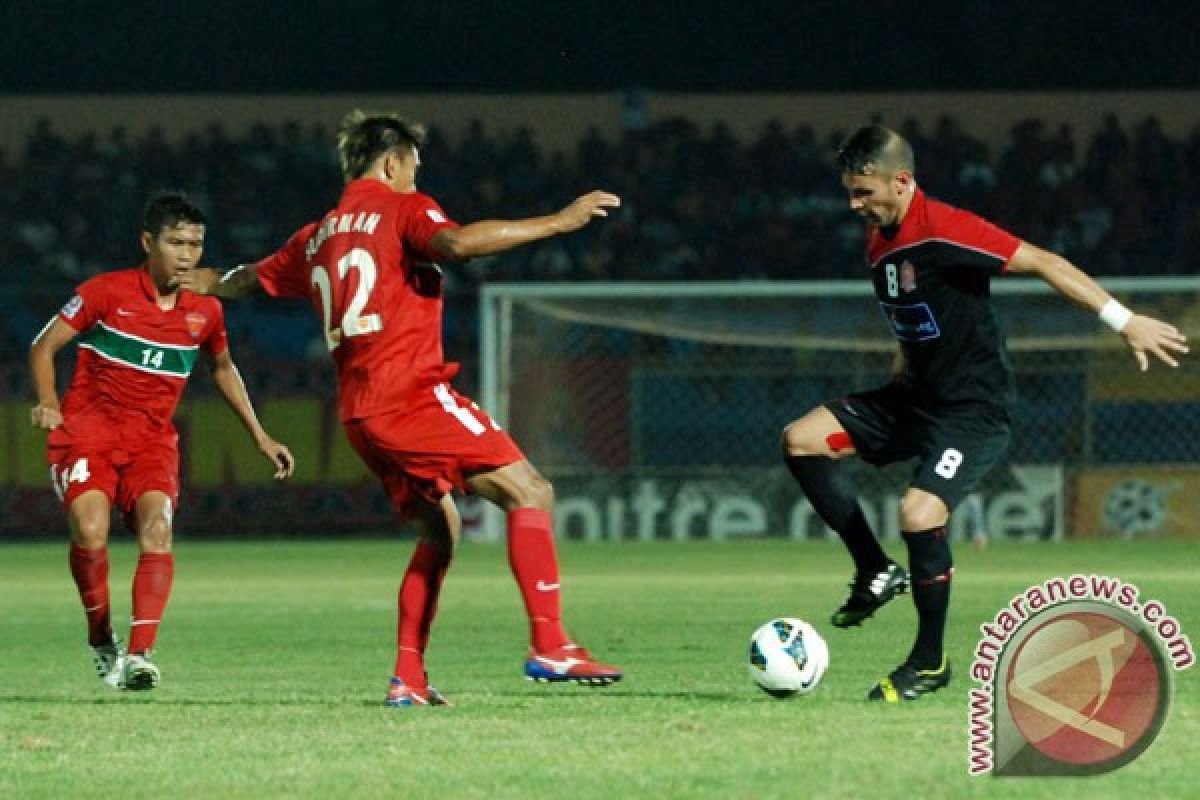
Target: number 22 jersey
pixel 366 267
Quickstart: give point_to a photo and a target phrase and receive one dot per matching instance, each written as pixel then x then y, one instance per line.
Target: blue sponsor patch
pixel 913 323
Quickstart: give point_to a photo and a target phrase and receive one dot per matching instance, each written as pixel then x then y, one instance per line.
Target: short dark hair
pixel 873 149
pixel 364 137
pixel 169 209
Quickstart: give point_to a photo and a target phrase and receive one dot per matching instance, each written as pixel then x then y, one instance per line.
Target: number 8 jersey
pixel 932 279
pixel 366 266
pixel 134 358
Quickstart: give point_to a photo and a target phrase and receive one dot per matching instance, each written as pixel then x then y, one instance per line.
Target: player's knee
pixel 154 534
pixel 921 516
pixel 796 441
pixel 444 541
pixel 543 494
pixel 536 492
pixel 440 527
pixel 90 531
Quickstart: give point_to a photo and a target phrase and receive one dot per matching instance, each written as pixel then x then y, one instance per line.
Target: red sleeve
pixel 86 306
pixel 285 274
pixel 422 222
pixel 216 340
pixel 993 246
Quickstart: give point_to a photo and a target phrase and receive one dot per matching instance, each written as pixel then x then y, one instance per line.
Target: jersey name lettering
pixel 361 222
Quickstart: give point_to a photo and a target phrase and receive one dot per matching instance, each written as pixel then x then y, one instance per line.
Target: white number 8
pixel 893 283
pixel 950 462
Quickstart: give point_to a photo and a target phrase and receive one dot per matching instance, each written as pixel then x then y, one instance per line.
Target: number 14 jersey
pixel 367 268
pixel 134 358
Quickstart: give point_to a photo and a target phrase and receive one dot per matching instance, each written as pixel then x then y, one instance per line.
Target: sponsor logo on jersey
pixel 73 307
pixel 908 277
pixel 195 324
pixel 911 323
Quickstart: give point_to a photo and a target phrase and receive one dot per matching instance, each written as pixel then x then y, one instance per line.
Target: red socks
pixel 534 564
pixel 417 602
pixel 89 568
pixel 151 588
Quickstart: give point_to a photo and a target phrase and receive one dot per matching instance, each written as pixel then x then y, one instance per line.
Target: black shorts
pixel 955 446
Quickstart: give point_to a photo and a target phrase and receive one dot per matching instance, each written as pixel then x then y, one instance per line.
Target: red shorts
pixel 425 451
pixel 124 474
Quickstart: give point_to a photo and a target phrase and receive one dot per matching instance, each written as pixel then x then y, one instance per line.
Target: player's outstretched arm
pixel 47 414
pixel 1145 335
pixel 229 384
pixel 236 282
pixel 497 235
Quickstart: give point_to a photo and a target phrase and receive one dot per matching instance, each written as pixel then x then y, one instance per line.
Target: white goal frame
pixel 496 305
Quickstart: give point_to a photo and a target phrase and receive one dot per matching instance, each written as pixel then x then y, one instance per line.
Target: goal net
pixel 656 409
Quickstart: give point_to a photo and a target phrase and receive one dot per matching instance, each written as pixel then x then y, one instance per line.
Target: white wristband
pixel 1115 315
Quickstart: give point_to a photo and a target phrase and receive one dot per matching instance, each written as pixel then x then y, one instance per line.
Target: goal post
pixel 656 408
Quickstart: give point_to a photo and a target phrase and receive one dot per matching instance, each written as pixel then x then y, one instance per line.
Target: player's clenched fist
pixel 45 417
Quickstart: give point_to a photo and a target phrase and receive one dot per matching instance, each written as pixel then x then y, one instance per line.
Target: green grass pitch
pixel 276 655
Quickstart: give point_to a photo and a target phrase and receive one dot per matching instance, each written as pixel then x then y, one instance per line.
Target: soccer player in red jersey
pixel 112 439
pixel 368 268
pixel 949 401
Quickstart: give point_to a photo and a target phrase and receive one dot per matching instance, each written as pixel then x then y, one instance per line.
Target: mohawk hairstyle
pixel 364 137
pixel 875 149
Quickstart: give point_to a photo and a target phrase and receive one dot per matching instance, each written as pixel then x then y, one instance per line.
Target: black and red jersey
pixel 932 277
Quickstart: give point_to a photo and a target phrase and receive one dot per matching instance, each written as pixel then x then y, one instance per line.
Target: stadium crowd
pixel 698 204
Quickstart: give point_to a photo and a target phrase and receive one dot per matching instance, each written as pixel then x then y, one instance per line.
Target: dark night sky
pixel 453 45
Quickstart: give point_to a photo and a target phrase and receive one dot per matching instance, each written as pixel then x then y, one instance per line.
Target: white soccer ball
pixel 787 657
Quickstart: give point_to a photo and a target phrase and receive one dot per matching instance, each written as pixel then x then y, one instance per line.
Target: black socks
pixel 930 568
pixel 828 487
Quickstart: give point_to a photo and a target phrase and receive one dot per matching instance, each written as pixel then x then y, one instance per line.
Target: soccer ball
pixel 787 657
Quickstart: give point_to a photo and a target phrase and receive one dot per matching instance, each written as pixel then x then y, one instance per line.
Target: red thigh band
pixel 839 440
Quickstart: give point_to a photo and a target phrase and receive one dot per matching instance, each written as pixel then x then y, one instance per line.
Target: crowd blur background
pixel 699 204
pixel 704 198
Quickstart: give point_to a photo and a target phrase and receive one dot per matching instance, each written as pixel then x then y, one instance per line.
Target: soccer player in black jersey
pixel 948 402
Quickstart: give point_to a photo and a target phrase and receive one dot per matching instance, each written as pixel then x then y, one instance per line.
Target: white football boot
pixel 109 660
pixel 139 673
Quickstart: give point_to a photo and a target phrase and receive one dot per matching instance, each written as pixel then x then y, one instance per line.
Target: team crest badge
pixel 195 324
pixel 908 277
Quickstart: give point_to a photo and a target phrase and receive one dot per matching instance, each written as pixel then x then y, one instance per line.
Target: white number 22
pixel 353 322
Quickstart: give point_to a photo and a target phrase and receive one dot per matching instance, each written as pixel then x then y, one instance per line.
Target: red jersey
pixel 134 358
pixel 367 269
pixel 932 278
